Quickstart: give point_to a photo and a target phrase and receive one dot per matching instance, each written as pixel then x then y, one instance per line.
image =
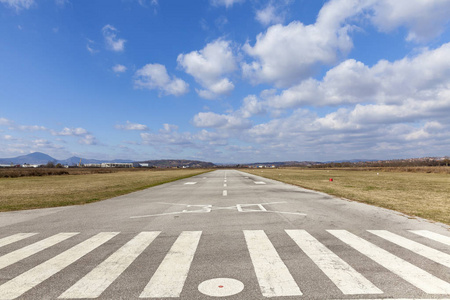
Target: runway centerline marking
pixel 191 182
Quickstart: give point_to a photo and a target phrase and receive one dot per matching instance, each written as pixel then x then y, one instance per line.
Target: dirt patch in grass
pixel 426 195
pixel 50 191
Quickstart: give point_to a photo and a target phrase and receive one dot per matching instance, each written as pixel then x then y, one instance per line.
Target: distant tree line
pixel 387 163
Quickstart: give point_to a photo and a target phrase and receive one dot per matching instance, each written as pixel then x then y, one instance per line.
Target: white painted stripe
pixel 259 182
pixel 14 238
pixel 169 278
pixel 274 278
pixel 18 255
pixel 433 236
pixel 17 286
pixel 347 279
pixel 190 182
pixel 224 185
pixel 224 193
pixel 428 252
pixel 95 283
pixel 414 275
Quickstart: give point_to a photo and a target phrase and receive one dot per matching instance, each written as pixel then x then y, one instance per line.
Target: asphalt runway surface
pixel 222 234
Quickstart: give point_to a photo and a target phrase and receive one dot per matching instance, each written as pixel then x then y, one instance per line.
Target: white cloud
pixel 71 132
pixel 251 106
pixel 423 19
pixel 273 13
pixel 112 41
pixel 155 77
pixel 132 126
pixel 30 128
pixel 213 120
pixel 88 140
pixel 226 3
pixel 90 47
pixel 209 67
pixel 18 4
pixel 119 68
pixel 423 77
pixel 285 55
pixel 5 122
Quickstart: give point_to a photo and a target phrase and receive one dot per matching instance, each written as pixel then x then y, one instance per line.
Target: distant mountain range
pixel 38 158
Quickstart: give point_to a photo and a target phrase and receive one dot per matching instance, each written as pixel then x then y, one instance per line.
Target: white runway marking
pixel 198 208
pixel 169 278
pixel 259 182
pixel 430 253
pixel 221 287
pixel 192 182
pixel 347 279
pixel 414 275
pixel 433 236
pixel 19 285
pixel 244 207
pixel 224 185
pixel 274 278
pixel 14 238
pixel 224 193
pixel 18 255
pixel 95 283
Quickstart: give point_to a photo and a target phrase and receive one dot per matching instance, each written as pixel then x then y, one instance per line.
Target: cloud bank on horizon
pixel 225 80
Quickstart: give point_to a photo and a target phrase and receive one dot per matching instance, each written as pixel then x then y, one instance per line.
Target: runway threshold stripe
pixel 412 274
pixel 433 236
pixel 18 255
pixel 96 282
pixel 19 285
pixel 348 280
pixel 169 278
pixel 430 253
pixel 274 278
pixel 14 238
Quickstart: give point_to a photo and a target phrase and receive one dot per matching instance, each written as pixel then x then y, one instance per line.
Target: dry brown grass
pixel 50 191
pixel 426 195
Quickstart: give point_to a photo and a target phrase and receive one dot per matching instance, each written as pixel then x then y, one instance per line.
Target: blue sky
pixel 225 80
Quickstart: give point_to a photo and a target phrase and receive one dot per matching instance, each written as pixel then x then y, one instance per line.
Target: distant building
pixel 116 165
pixel 92 165
pixel 30 166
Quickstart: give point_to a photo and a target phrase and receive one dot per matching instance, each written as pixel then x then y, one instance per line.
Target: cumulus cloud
pixel 88 139
pixel 113 43
pixel 285 55
pixel 155 77
pixel 132 126
pixel 18 4
pixel 423 19
pixel 423 78
pixel 209 67
pixel 213 120
pixel 119 68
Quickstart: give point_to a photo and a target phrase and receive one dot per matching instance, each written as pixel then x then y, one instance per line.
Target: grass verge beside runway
pixel 51 191
pixel 426 195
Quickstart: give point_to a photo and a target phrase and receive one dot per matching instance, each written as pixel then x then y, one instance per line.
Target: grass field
pixel 426 195
pixel 50 191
